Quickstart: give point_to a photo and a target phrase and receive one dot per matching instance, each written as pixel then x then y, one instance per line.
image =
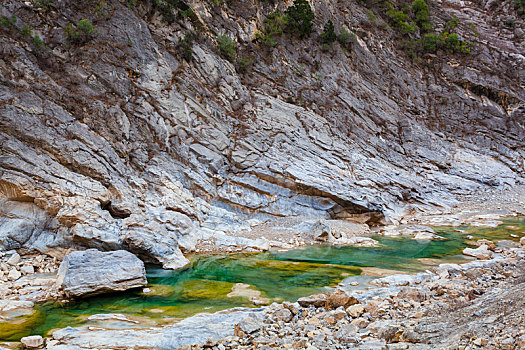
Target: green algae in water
pixel 205 284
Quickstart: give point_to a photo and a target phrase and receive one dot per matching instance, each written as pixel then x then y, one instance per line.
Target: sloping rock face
pixel 193 330
pixel 92 272
pixel 121 144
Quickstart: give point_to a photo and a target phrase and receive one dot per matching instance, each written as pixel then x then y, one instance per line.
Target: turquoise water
pixel 206 284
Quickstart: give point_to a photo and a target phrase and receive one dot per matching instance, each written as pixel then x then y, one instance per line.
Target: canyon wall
pixel 121 143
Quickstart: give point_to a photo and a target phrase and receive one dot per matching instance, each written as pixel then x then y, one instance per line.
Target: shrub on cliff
pixel 274 25
pixel 186 47
pixel 328 35
pixel 346 38
pixel 80 33
pixel 300 17
pixel 400 21
pixel 430 43
pixel 226 48
pixel 422 18
pixel 519 6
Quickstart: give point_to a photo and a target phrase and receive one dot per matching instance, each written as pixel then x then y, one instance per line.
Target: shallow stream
pixel 217 282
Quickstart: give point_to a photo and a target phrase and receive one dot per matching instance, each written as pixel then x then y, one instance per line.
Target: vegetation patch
pixel 81 33
pixel 226 48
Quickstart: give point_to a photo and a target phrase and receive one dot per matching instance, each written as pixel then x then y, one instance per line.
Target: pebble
pixel 355 310
pixel 14 259
pixel 27 269
pixel 33 341
pixel 14 274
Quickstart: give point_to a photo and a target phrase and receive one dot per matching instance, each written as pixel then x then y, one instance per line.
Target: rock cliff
pixel 119 142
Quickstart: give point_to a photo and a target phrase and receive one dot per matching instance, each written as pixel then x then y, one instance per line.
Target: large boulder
pixel 93 272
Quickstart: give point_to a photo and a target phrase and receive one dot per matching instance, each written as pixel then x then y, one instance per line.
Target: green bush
pixel 274 25
pixel 519 6
pixel 300 17
pixel 26 31
pixel 328 35
pixel 226 48
pixel 451 25
pixel 37 42
pixel 132 3
pixel 244 65
pixel 422 18
pixel 43 4
pixel 448 42
pixel 346 38
pixel 186 47
pixel 510 22
pixel 400 21
pixel 83 32
pixel 430 42
pixel 8 22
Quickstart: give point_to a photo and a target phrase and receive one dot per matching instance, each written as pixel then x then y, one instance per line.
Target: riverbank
pixel 482 209
pixel 478 304
pixel 20 292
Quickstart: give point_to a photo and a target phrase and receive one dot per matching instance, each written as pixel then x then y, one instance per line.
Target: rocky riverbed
pixel 474 305
pixel 481 301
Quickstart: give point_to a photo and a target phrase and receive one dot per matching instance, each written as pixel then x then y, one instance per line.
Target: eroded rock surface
pixel 91 272
pixel 193 330
pixel 121 144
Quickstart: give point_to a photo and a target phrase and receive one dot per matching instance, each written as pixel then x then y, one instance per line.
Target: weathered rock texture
pixel 93 272
pixel 119 143
pixel 192 330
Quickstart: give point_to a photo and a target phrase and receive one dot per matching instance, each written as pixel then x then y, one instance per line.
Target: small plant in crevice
pixel 328 35
pixel 519 6
pixel 226 48
pixel 186 47
pixel 274 26
pixel 37 42
pixel 346 38
pixel 43 4
pixel 244 65
pixel 80 33
pixel 510 22
pixel 132 3
pixel 8 22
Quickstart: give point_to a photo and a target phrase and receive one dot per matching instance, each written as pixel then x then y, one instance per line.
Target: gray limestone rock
pixel 193 330
pixel 91 272
pixel 144 152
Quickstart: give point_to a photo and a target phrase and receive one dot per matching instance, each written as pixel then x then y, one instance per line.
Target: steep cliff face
pixel 119 142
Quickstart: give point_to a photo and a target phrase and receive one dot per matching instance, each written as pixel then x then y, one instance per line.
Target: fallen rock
pixel 93 272
pixel 27 269
pixel 33 342
pixel 279 312
pixel 491 245
pixel 14 259
pixel 522 240
pixel 339 298
pixel 317 300
pixel 14 274
pixel 110 317
pixel 355 310
pixel 357 241
pixel 247 326
pixel 482 252
pixel 416 294
pixel 10 305
pixel 359 322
